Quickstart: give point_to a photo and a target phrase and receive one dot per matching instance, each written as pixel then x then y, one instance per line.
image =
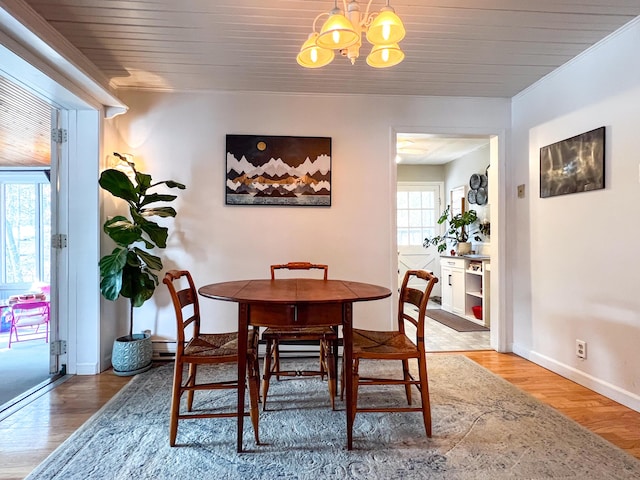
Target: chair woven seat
pixel 217 344
pixel 379 344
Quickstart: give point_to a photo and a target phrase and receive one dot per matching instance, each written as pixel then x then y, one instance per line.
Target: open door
pixel 418 207
pixel 57 243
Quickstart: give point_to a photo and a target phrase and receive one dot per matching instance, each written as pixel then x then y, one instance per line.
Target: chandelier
pixel 343 32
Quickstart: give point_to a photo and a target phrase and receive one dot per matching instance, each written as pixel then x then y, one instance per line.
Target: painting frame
pixel 573 165
pixel 278 170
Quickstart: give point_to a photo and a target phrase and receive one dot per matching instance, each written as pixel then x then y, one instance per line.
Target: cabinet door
pixel 446 289
pixel 457 292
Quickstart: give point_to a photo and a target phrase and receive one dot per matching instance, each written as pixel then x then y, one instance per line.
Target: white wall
pixel 420 173
pixel 574 256
pixel 181 136
pixel 458 173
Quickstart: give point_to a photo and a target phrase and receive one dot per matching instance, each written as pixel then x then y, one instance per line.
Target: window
pixel 25 224
pixel 417 213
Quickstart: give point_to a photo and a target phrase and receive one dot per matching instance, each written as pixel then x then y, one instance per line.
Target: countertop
pixel 468 257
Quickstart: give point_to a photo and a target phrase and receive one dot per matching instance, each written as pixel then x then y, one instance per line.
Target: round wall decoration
pixel 478 192
pixel 474 181
pixel 481 196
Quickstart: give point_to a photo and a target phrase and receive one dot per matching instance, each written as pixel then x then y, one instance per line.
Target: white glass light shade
pixel 385 28
pixel 337 32
pixel 383 56
pixel 312 56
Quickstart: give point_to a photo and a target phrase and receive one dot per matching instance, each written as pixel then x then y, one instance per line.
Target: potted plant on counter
pixel 129 271
pixel 458 232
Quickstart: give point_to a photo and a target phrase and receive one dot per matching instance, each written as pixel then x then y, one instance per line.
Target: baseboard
pixel 163 350
pixel 87 369
pixel 624 397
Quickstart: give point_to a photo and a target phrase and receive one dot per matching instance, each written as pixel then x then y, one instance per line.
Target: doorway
pixel 446 163
pixel 26 207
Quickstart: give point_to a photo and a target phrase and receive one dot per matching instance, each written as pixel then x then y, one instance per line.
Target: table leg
pixel 347 359
pixel 243 329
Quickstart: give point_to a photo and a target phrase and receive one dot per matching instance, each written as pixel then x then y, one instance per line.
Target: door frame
pixel 500 328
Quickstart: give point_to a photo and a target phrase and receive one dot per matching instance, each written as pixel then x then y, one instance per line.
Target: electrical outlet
pixel 581 349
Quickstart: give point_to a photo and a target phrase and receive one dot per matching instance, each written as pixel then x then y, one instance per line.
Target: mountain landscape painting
pixel 278 170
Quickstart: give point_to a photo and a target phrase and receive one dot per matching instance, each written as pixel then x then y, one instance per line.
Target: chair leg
pixel 11 328
pixel 193 370
pixel 276 355
pixel 424 394
pixel 266 372
pixel 175 402
pixel 354 390
pixel 407 379
pixel 253 368
pixel 323 358
pixel 329 362
pixel 342 381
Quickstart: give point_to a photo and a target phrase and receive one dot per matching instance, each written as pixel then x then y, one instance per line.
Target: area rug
pixel 483 428
pixel 456 322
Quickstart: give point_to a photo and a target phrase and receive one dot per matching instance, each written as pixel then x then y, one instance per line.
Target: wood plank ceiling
pixel 478 48
pixel 25 128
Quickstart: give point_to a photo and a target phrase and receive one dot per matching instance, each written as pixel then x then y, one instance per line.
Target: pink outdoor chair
pixel 27 318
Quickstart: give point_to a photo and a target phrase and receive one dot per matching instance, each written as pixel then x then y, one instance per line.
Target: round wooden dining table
pixel 295 302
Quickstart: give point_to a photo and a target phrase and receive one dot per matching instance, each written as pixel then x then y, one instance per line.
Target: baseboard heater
pixel 166 350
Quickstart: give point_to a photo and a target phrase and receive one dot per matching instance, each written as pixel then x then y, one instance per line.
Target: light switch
pixel 521 191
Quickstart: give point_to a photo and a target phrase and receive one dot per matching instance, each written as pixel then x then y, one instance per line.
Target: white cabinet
pixel 453 288
pixel 465 285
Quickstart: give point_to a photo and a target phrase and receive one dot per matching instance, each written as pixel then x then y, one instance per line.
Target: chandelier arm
pixel 316 19
pixel 366 18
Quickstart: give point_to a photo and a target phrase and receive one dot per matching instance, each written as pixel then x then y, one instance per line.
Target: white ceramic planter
pixel 132 356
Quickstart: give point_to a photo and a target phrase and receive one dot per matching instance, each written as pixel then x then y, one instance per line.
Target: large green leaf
pixel 118 184
pixel 113 263
pixel 152 262
pixel 122 231
pixel 157 197
pixel 144 182
pixel 157 234
pixel 172 184
pixel 110 285
pixel 158 212
pixel 137 285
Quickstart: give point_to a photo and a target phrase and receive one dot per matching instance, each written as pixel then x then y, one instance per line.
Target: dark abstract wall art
pixel 573 165
pixel 278 170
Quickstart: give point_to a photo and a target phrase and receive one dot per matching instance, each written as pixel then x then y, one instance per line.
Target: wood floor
pixel 29 435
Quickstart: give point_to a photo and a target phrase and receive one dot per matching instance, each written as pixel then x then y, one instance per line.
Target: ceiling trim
pixel 23 26
pixel 564 66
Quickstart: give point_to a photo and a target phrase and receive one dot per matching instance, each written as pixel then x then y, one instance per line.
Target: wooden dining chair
pixel 194 348
pixel 326 336
pixel 396 345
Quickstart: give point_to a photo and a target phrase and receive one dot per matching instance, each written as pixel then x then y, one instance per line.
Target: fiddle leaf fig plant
pixel 458 229
pixel 129 270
